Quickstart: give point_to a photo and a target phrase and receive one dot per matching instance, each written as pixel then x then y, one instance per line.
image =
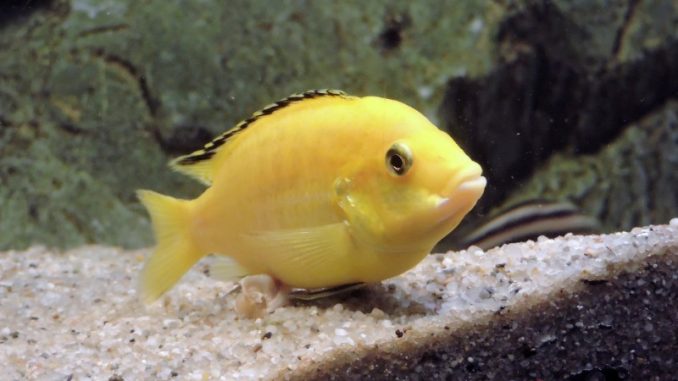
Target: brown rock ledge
pixel 571 308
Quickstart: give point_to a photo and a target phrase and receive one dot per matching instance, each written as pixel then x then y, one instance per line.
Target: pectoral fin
pixel 319 293
pixel 356 211
pixel 307 257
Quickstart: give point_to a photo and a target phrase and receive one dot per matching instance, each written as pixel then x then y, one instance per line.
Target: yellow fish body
pixel 320 189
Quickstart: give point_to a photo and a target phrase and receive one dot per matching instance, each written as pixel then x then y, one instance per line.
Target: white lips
pixel 475 184
pixel 465 194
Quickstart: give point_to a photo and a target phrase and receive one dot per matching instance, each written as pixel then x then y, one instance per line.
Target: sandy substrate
pixel 75 315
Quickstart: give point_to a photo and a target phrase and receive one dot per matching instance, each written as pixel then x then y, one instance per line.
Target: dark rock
pixel 630 181
pixel 17 10
pixel 567 337
pixel 570 77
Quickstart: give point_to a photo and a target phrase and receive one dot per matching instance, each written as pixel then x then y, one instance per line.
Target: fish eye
pixel 398 159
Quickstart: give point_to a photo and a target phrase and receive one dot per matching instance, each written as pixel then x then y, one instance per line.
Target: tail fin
pixel 175 252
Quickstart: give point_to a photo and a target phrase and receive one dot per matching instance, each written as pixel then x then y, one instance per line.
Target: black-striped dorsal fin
pixel 197 163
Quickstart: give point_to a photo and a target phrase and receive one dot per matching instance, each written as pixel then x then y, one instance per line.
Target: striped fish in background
pixel 521 222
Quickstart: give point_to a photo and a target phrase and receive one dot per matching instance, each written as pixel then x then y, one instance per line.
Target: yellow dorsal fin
pixel 199 164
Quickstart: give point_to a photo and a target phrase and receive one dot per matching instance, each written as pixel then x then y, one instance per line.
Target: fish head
pixel 412 187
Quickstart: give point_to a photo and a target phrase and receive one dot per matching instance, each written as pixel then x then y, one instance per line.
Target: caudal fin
pixel 175 252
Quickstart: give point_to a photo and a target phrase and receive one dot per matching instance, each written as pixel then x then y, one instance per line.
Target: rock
pixel 109 91
pixel 571 76
pixel 566 308
pixel 112 90
pixel 630 181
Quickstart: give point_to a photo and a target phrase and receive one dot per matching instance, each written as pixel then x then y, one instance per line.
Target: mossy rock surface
pixel 631 180
pixel 97 95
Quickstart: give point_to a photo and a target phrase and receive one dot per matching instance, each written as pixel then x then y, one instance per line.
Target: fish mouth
pixel 461 194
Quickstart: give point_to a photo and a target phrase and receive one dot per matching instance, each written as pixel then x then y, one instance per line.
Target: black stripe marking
pixel 521 213
pixel 210 148
pixel 192 159
pixel 535 217
pixel 529 220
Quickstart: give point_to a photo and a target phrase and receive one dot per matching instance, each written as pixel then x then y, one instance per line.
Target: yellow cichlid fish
pixel 320 189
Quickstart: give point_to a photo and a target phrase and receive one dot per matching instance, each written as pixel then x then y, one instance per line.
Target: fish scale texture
pixel 522 310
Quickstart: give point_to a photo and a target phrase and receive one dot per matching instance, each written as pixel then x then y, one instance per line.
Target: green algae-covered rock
pixel 571 76
pixel 632 180
pixel 97 95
